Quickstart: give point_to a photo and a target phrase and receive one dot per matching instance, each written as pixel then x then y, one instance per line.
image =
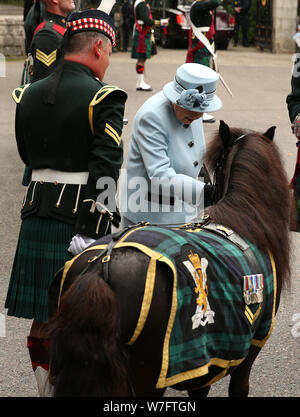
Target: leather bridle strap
pixel 237 240
pixel 105 255
pixel 223 163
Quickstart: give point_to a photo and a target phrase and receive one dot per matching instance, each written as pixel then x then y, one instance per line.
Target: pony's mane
pixel 256 205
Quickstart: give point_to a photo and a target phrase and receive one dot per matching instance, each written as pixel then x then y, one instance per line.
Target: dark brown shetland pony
pixel 89 334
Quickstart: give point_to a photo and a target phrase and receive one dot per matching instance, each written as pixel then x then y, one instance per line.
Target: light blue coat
pixel 161 150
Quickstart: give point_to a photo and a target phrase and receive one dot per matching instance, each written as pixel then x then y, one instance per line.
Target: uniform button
pixel 196 163
pixel 191 143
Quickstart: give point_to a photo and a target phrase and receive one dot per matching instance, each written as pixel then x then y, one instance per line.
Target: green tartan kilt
pixel 42 250
pixel 201 56
pixel 135 41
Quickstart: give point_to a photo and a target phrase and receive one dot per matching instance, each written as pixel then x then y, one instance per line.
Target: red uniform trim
pixel 39 27
pixel 56 27
pixel 59 29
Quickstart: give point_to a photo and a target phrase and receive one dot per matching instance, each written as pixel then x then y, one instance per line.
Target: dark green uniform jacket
pixel 293 99
pixel 46 40
pixel 81 132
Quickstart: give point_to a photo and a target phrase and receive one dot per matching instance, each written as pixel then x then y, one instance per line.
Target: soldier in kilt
pixel 202 17
pixel 141 42
pixel 68 131
pixel 293 102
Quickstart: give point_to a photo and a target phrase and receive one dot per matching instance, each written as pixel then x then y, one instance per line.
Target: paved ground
pixel 260 83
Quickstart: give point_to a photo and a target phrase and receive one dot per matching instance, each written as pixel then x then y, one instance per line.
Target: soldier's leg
pixel 38 347
pixel 244 24
pixel 140 69
pixel 236 29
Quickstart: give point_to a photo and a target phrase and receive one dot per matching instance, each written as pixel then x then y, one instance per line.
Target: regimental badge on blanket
pixel 253 288
pixel 197 269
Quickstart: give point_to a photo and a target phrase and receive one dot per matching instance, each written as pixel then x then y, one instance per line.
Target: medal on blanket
pixel 253 288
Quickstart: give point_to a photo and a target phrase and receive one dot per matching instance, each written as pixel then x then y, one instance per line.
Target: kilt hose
pixel 42 250
pixel 135 41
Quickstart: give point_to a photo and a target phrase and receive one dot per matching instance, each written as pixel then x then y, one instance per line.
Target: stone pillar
pixel 12 36
pixel 284 25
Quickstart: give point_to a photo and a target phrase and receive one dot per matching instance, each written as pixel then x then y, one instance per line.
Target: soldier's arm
pixel 106 158
pixel 152 138
pixel 44 52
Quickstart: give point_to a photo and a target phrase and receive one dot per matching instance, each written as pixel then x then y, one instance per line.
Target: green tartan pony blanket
pixel 223 297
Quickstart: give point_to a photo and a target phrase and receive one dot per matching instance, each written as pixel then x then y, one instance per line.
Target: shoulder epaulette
pixel 17 94
pixel 59 29
pixel 98 97
pixel 103 92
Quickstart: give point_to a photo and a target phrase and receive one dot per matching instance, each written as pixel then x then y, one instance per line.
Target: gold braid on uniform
pixel 99 96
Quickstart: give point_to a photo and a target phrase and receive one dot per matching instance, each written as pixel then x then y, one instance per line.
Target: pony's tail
pixel 86 358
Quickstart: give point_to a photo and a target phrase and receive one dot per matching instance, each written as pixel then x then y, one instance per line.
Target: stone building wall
pixel 284 25
pixel 12 35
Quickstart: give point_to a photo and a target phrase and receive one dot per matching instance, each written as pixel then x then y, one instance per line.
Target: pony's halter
pixel 221 173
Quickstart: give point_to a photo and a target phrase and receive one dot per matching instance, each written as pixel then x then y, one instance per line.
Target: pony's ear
pixel 270 133
pixel 224 133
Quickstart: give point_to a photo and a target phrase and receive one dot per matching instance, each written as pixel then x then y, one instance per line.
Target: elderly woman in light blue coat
pixel 160 181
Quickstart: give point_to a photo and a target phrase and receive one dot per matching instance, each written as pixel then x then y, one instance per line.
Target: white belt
pixel 63 177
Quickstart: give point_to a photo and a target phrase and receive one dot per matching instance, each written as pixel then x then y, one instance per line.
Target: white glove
pixel 79 243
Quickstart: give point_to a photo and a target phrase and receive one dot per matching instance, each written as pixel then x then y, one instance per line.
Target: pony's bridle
pixel 222 170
